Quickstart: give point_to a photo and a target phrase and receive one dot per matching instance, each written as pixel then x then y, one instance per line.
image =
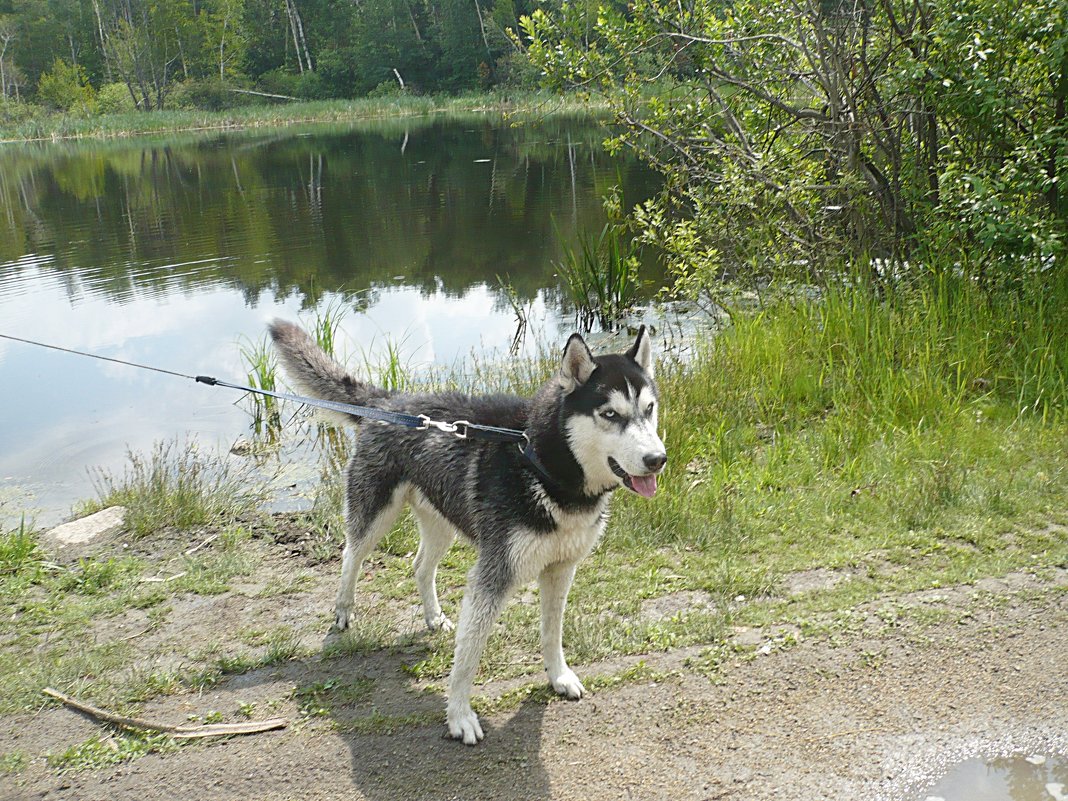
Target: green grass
pixel 913 440
pixel 322 698
pixel 13 763
pixel 261 364
pixel 325 327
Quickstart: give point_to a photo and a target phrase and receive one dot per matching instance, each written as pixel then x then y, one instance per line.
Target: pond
pixel 175 252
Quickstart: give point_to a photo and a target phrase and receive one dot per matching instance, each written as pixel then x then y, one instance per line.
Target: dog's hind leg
pixel 366 526
pixel 485 598
pixel 554 584
pixel 435 536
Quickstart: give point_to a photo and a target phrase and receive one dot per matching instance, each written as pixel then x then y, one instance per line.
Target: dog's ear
pixel 577 364
pixel 642 351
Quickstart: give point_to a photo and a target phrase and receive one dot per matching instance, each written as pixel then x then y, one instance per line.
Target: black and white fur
pixel 593 428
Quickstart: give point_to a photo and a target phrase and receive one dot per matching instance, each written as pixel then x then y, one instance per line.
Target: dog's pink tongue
pixel 644 485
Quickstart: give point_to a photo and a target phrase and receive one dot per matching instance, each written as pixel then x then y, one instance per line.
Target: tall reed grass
pixel 66 126
pixel 325 327
pixel 262 373
pixel 600 276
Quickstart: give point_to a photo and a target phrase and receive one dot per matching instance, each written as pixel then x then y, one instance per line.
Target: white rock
pixel 86 529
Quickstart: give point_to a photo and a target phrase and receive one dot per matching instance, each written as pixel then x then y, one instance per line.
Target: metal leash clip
pixel 459 428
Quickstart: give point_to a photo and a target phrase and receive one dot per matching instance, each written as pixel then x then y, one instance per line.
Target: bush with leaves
pixel 114 98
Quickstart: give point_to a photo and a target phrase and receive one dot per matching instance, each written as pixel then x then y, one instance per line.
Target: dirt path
pixel 875 711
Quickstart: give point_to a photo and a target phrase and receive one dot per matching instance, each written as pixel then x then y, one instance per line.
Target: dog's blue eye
pixel 649 409
pixel 609 414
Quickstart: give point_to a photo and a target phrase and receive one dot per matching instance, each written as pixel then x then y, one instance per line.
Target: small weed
pixel 19 556
pixel 383 724
pixel 289 584
pixel 210 572
pixel 872 659
pixel 280 645
pixel 13 763
pixel 143 684
pixel 246 708
pixel 366 633
pixel 324 697
pixel 94 577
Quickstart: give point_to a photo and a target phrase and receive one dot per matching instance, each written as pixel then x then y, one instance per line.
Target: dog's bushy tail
pixel 314 373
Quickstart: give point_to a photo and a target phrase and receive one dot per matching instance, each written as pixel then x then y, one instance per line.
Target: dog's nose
pixel 654 461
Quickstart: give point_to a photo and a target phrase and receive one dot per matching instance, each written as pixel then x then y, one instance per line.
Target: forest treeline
pixel 116 55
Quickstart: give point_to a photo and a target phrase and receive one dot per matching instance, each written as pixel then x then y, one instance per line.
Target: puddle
pixel 1031 777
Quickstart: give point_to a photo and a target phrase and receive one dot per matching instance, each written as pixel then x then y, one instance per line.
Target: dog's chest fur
pixel 572 538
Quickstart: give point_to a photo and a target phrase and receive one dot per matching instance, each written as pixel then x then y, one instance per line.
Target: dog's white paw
pixel 341 617
pixel 439 623
pixel 464 725
pixel 568 685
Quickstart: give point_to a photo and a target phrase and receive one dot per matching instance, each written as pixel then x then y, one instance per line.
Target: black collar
pixel 555 488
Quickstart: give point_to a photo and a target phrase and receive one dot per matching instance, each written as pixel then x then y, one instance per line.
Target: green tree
pixel 224 36
pixel 794 132
pixel 460 34
pixel 146 42
pixel 391 35
pixel 66 88
pixel 8 72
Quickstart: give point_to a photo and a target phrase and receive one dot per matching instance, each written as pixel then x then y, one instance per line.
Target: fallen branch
pixel 262 94
pixel 179 732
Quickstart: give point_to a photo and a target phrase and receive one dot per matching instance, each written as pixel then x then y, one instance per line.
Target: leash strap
pixel 463 429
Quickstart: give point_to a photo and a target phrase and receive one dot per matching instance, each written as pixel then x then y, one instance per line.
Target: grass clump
pixel 601 275
pixel 177 487
pixel 99 752
pixel 262 370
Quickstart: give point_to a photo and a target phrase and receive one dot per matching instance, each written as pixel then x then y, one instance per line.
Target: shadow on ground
pixel 397 739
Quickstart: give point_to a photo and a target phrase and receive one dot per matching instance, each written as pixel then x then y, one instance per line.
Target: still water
pixel 174 252
pixel 1035 777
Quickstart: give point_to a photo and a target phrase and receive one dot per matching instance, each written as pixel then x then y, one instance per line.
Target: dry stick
pixel 196 548
pixel 180 732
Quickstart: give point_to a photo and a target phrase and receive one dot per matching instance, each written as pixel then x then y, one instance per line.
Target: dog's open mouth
pixel 643 485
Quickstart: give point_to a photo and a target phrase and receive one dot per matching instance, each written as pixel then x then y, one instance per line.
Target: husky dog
pixel 531 512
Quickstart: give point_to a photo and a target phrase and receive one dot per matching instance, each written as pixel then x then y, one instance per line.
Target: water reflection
pixel 1035 777
pixel 169 251
pixel 445 205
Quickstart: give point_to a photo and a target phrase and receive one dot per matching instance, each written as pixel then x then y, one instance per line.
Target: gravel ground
pixel 879 711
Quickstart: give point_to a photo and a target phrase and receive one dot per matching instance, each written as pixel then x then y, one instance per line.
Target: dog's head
pixel 610 415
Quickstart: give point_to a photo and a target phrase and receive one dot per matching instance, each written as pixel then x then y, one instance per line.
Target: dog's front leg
pixel 481 607
pixel 554 583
